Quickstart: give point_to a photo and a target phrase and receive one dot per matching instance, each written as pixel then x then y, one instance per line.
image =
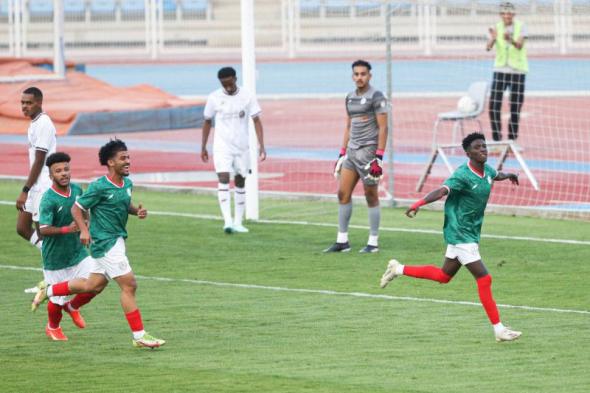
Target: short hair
pixel 507 6
pixel 362 63
pixel 226 72
pixel 35 92
pixel 470 138
pixel 109 150
pixel 56 158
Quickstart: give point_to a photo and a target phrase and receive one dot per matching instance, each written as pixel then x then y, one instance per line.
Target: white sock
pixel 373 240
pixel 224 198
pixel 499 327
pixel 240 205
pixel 399 270
pixel 35 241
pixel 342 237
pixel 139 334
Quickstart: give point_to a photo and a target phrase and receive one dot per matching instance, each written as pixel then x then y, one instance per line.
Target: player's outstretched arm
pixel 429 198
pixel 510 176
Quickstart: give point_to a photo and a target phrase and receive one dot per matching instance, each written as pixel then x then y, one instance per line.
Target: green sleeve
pixel 493 173
pixel 91 197
pixel 455 182
pixel 46 211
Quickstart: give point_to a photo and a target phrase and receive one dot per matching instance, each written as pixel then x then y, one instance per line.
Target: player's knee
pixel 444 278
pixel 343 197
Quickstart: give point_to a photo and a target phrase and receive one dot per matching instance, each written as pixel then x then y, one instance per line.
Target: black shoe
pixel 369 249
pixel 338 247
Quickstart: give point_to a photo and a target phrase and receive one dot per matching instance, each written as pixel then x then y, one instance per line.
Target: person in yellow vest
pixel 510 69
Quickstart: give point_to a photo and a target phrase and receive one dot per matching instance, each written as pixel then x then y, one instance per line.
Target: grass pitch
pixel 261 336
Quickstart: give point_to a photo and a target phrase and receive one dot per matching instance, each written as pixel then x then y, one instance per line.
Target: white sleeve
pixel 209 111
pixel 45 134
pixel 253 107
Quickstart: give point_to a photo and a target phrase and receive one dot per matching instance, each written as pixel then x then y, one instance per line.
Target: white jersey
pixel 232 114
pixel 41 137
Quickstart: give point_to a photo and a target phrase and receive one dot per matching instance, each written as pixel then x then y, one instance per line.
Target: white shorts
pixel 465 253
pixel 33 202
pixel 81 270
pixel 237 163
pixel 114 263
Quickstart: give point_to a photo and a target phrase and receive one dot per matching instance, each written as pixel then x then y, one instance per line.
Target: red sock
pixel 429 272
pixel 54 314
pixel 484 287
pixel 81 299
pixel 134 320
pixel 61 289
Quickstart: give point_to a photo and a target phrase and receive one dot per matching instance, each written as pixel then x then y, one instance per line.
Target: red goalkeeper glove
pixel 375 167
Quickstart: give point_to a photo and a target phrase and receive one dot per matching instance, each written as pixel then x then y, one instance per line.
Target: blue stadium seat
pixel 74 7
pixel 41 8
pixel 310 6
pixel 337 7
pixel 3 8
pixel 367 7
pixel 169 5
pixel 102 7
pixel 195 6
pixel 194 9
pixel 132 7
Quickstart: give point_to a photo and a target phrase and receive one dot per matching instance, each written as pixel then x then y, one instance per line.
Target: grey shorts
pixel 357 159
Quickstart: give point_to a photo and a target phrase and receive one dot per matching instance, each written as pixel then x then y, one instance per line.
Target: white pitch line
pixel 386 229
pixel 333 293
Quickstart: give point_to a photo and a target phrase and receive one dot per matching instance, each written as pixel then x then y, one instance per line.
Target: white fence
pixel 289 28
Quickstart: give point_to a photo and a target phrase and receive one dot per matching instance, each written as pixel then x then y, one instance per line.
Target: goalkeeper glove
pixel 375 167
pixel 339 162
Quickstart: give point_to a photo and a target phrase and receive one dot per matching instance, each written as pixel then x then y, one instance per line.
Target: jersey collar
pixel 472 169
pixel 60 193
pixel 115 184
pixel 37 117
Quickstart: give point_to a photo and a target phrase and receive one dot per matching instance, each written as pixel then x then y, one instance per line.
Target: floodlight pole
pixel 59 66
pixel 388 66
pixel 249 83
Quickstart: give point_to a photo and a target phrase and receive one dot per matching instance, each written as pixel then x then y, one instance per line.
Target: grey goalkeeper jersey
pixel 363 111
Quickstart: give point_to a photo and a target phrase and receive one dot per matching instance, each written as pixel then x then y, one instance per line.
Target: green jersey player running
pixel 468 191
pixel 109 201
pixel 64 257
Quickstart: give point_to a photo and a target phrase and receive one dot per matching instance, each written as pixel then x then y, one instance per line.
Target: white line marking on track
pixel 332 293
pixel 386 229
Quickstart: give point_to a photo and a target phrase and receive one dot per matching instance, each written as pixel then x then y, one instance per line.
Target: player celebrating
pixel 42 142
pixel 361 155
pixel 64 257
pixel 468 191
pixel 232 107
pixel 109 201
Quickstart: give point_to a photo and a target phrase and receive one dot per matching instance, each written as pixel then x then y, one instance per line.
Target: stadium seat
pixel 74 9
pixel 169 6
pixel 3 8
pixel 102 9
pixel 478 91
pixel 310 8
pixel 41 9
pixel 337 7
pixel 131 9
pixel 194 8
pixel 367 8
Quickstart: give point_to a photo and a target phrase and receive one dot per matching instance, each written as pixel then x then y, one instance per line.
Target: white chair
pixel 478 91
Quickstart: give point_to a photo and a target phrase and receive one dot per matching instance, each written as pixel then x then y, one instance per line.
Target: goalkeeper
pixel 361 156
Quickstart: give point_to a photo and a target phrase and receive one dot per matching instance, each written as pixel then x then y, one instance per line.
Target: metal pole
pixel 249 83
pixel 58 39
pixel 390 182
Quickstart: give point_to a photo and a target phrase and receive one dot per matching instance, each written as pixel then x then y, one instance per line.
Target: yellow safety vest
pixel 508 54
